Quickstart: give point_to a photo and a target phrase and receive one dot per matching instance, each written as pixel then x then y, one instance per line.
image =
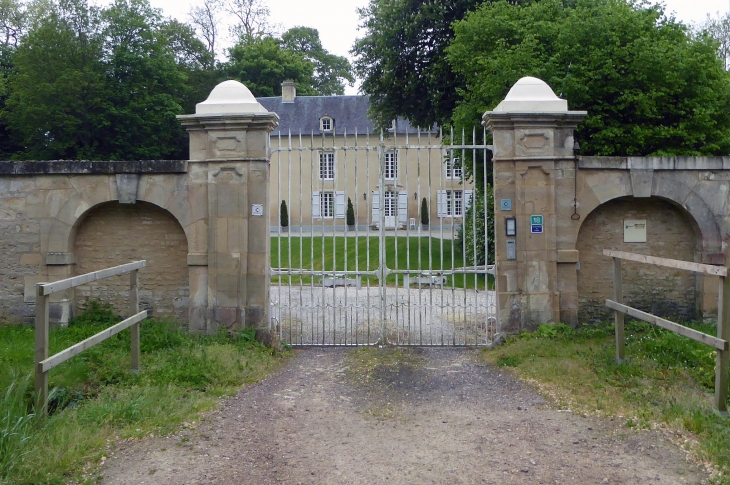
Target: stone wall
pixel 112 234
pixel 20 243
pixel 666 292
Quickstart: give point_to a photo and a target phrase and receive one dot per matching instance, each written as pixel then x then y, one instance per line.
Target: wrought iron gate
pixel 394 276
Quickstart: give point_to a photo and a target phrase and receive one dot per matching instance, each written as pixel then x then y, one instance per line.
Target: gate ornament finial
pixel 229 97
pixel 531 94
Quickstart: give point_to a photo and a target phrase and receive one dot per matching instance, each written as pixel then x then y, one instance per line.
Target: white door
pixel 402 209
pixel 390 206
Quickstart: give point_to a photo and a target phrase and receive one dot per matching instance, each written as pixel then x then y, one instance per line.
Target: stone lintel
pixel 82 167
pixel 60 259
pixel 567 256
pixel 641 182
pixel 197 259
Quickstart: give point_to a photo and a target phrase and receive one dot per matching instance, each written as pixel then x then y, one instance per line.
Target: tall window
pixel 327 165
pixel 327 204
pixel 391 165
pixel 453 203
pixel 453 169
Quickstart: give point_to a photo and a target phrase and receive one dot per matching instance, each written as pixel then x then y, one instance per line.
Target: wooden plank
pixel 723 356
pixel 671 326
pixel 669 263
pixel 41 354
pixel 618 295
pixel 134 309
pixel 64 355
pixel 56 286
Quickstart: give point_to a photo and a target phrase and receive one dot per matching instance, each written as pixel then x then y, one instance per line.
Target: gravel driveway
pixel 449 421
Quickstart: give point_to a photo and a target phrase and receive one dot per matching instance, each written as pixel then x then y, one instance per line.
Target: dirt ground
pixel 449 420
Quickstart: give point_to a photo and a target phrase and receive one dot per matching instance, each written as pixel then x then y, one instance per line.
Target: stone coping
pixel 78 167
pixel 654 163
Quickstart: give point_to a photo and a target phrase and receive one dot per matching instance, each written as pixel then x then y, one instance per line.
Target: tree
pixel 262 65
pixel 649 86
pixel 401 59
pixel 471 235
pixel 205 20
pixel 330 71
pixel 424 212
pixel 57 90
pixel 252 20
pixel 350 213
pixel 145 85
pixel 718 28
pixel 283 215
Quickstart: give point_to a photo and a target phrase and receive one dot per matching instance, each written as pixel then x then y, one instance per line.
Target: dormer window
pixel 326 123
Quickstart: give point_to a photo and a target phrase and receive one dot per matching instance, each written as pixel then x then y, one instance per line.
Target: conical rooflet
pixel 229 97
pixel 531 94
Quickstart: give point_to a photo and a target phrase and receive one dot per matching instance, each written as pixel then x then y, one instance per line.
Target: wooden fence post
pixel 618 297
pixel 41 351
pixel 723 356
pixel 134 309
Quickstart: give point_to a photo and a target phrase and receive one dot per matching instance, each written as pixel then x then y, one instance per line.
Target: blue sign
pixel 536 228
pixel 505 204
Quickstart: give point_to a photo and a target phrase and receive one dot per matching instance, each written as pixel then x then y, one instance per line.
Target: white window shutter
pixel 402 207
pixel 339 205
pixel 315 206
pixel 467 200
pixel 441 203
pixel 376 207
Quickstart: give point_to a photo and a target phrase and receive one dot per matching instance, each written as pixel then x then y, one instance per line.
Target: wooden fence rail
pixel 723 314
pixel 44 363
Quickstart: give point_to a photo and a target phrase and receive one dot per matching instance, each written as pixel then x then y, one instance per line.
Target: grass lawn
pixel 338 253
pixel 667 380
pixel 96 400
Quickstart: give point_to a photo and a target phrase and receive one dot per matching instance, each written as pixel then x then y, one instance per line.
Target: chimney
pixel 288 91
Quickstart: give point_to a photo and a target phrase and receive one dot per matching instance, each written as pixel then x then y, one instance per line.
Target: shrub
pixel 284 214
pixel 424 212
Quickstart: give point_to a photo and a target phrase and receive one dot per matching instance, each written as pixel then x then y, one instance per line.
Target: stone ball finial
pixel 229 97
pixel 531 95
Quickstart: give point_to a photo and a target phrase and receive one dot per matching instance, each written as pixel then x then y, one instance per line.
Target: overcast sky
pixel 337 21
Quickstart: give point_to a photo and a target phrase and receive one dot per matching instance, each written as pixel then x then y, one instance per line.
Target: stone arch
pixel 674 188
pixel 111 233
pixel 672 232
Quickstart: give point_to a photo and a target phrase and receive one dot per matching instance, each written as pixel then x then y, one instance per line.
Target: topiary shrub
pixel 283 214
pixel 350 213
pixel 424 212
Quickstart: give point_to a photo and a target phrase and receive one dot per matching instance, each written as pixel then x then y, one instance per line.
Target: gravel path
pixel 449 421
pixel 429 316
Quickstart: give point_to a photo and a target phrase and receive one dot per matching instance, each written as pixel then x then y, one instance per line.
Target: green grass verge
pixel 666 381
pixel 338 253
pixel 96 400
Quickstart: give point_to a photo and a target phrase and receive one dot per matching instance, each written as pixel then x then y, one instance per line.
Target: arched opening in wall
pixel 112 234
pixel 670 233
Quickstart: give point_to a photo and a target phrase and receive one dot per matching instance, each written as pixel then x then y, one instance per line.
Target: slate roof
pixel 348 112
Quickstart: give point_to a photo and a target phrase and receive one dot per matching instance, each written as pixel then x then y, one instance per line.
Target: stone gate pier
pixel 565 209
pixel 202 224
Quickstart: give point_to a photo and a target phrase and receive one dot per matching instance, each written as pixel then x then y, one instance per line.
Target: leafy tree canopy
pixel 648 84
pixel 263 63
pixel 401 58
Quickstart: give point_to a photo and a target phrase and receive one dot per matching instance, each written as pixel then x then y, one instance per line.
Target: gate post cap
pixel 229 97
pixel 531 94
